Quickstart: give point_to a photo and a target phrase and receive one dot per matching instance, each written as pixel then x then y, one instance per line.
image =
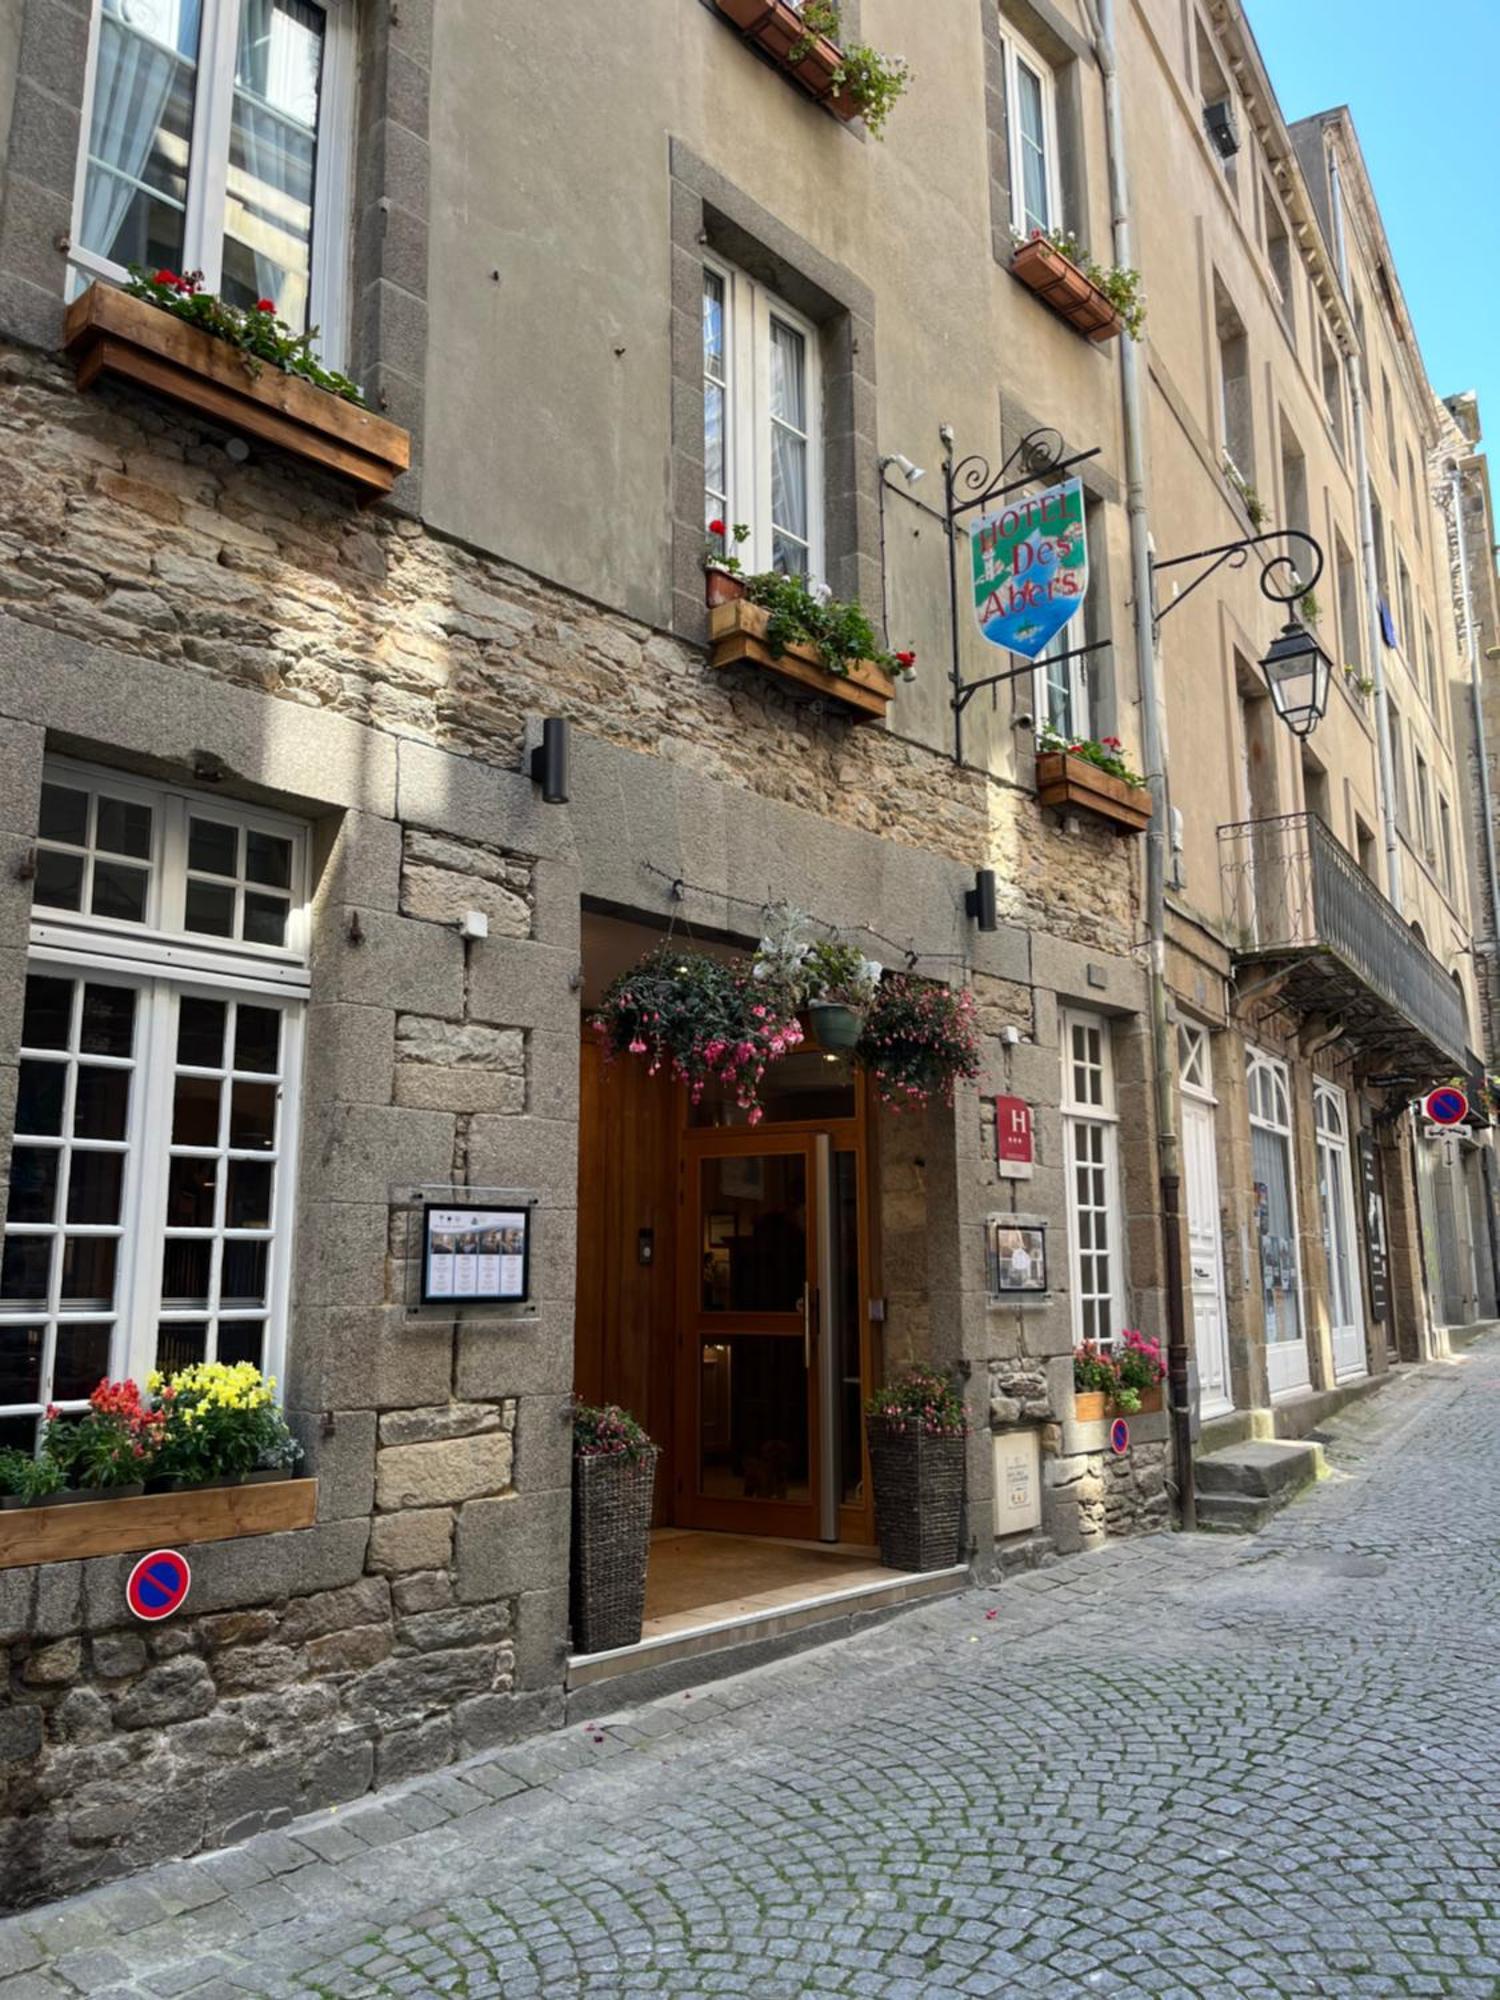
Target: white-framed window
pixel 148 1221
pixel 1062 685
pixel 217 138
pixel 1091 1164
pixel 1031 104
pixel 762 423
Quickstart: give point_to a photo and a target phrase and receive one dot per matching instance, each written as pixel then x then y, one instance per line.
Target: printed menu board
pixel 475 1255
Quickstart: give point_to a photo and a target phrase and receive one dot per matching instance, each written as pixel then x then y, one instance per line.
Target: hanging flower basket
pixel 835 1027
pixel 919 1040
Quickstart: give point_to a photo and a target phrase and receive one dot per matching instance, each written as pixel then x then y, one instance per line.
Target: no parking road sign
pixel 1447 1106
pixel 158 1585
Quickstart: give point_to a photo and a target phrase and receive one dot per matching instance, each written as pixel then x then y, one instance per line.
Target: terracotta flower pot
pixel 722 586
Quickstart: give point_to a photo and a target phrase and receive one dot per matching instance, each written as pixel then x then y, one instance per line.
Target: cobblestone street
pixel 1265 1766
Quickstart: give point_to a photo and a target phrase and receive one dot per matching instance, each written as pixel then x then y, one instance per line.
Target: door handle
pixel 809 1322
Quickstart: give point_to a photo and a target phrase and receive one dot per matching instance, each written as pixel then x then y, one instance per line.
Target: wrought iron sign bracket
pixel 1040 454
pixel 1276 569
pixel 967 690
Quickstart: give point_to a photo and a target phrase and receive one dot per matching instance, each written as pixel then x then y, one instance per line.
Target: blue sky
pixel 1423 85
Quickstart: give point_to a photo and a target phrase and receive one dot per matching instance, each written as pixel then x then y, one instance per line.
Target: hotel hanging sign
pixel 1031 568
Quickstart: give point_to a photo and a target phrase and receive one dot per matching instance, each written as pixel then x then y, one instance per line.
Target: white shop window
pixel 148 1222
pixel 1091 1163
pixel 217 139
pixel 762 424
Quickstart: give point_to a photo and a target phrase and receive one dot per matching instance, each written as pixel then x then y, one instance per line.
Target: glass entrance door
pixel 774 1333
pixel 750 1320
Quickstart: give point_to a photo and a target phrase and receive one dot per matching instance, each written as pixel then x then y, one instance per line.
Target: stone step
pixel 1273 1468
pixel 1236 1513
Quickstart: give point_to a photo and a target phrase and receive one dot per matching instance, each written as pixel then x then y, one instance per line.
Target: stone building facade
pixel 516 240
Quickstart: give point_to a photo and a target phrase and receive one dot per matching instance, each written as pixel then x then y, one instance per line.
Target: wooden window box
pixel 110 333
pixel 1062 780
pixel 1058 282
pixel 737 638
pixel 777 27
pixel 154 1521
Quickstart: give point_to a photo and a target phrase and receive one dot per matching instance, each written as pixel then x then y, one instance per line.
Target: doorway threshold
pixel 717 1604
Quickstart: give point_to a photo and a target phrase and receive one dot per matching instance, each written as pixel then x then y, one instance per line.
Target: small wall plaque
pixel 1015 1255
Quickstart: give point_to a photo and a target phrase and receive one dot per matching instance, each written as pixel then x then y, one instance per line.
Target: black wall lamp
pixel 979 902
pixel 1298 672
pixel 549 762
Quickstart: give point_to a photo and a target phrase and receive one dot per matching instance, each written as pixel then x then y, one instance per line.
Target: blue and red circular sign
pixel 1119 1437
pixel 158 1585
pixel 1447 1106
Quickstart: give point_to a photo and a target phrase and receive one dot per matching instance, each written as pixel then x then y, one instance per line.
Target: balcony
pixel 1300 906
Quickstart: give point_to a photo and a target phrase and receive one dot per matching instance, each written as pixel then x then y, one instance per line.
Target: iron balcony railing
pixel 1293 893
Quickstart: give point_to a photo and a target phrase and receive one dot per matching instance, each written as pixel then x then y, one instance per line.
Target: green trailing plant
pixel 607 1431
pixel 701 1019
pixel 1119 284
pixel 262 338
pixel 1105 753
pixel 841 633
pixel 791 961
pixel 1309 606
pixel 1254 506
pixel 918 1402
pixel 875 82
pixel 919 1040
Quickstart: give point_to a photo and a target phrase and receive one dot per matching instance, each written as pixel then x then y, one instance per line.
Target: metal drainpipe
pixel 1487 816
pixel 1375 638
pixel 1100 15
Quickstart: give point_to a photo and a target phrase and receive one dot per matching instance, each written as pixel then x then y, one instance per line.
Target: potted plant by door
pixel 614 1477
pixel 917 1430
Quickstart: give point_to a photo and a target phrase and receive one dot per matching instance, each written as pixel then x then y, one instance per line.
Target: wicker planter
pixel 919 1494
pixel 778 28
pixel 1058 282
pixel 737 638
pixel 109 333
pixel 1062 780
pixel 611 1538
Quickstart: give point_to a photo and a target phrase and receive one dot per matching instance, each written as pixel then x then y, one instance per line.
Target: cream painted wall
pixel 549 389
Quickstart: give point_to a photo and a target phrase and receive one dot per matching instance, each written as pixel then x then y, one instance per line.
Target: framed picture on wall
pixel 1015 1255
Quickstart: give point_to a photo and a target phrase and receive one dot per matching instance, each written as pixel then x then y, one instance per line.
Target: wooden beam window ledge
pixel 154 1520
pixel 109 333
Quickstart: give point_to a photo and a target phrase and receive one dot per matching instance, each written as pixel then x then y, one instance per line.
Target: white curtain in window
pixel 788 448
pixel 278 65
pixel 132 86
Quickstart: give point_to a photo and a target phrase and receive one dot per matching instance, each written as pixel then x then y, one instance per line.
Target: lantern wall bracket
pixel 1280 579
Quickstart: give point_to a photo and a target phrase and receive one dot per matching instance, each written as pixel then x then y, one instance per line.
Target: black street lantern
pixel 1297 672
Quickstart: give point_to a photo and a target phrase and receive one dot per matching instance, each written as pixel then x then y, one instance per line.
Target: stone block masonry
pixel 123 524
